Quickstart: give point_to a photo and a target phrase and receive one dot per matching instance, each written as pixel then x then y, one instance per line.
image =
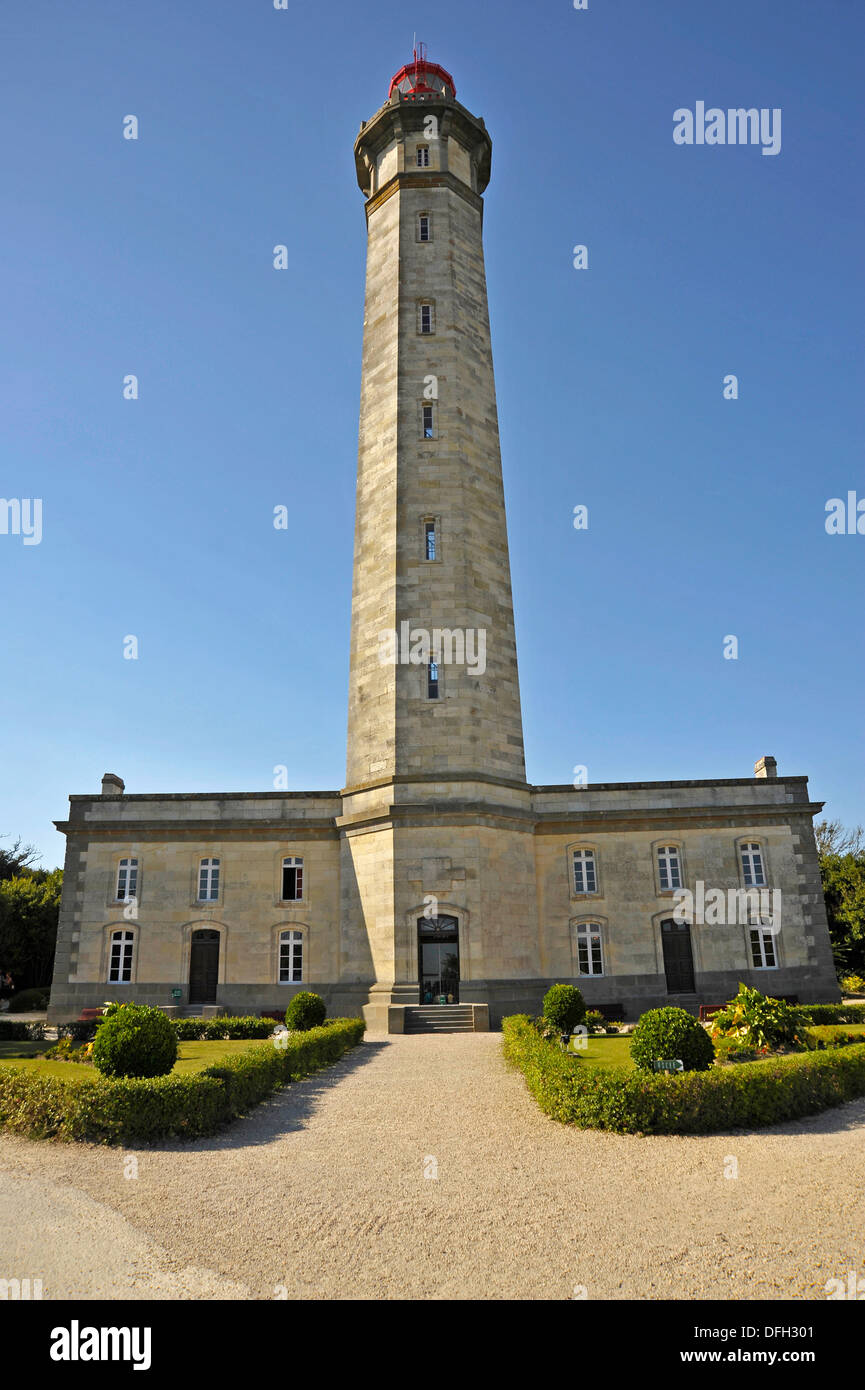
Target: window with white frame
pixel 669 868
pixel 424 227
pixel 763 953
pixel 208 881
pixel 120 961
pixel 590 955
pixel 428 418
pixel 290 957
pixel 426 318
pixel 423 156
pixel 127 880
pixel 292 879
pixel 585 875
pixel 753 870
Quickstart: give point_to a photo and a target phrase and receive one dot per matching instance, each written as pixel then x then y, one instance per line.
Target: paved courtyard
pixel 420 1167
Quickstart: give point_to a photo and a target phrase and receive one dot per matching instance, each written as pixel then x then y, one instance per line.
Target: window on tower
pixel 432 686
pixel 426 324
pixel 428 422
pixel 424 227
pixel 423 156
pixel 430 540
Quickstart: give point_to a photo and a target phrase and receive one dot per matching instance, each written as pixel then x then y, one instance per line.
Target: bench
pixel 87 1015
pixel 278 1018
pixel 709 1011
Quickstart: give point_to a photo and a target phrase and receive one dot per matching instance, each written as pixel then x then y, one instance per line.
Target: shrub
pixel 306 1010
pixel 564 1007
pixel 127 1110
pixel 135 1040
pixel 572 1091
pixel 595 1021
pixel 664 1034
pixel 758 1021
pixel 850 984
pixel 29 1000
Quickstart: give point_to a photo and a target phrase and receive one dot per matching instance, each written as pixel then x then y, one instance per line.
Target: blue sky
pixel 154 257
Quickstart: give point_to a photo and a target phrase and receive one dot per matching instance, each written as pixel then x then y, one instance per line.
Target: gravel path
pixel 322 1193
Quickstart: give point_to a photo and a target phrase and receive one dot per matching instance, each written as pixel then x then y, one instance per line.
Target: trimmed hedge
pixel 831 1013
pixel 215 1029
pixel 29 999
pixel 133 1110
pixel 135 1040
pixel 14 1032
pixel 748 1095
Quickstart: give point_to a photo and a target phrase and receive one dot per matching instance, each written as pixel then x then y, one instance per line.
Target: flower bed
pixel 180 1106
pixel 749 1095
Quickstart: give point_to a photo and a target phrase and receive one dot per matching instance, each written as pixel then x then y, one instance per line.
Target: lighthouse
pixel 435 742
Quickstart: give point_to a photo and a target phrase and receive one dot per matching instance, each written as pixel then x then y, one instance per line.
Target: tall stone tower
pixel 435 746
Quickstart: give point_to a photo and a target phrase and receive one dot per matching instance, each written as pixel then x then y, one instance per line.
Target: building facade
pixel 438 873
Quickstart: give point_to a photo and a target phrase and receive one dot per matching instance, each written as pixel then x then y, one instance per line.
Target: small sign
pixel 177 994
pixel 674 1064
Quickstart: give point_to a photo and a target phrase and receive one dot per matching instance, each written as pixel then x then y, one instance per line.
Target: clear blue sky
pixel 155 257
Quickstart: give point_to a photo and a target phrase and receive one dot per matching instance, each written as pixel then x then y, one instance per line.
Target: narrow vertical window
pixel 120 964
pixel 424 227
pixel 430 539
pixel 585 877
pixel 752 866
pixel 763 948
pixel 290 957
pixel 432 685
pixel 590 955
pixel 426 318
pixel 127 880
pixel 292 879
pixel 669 868
pixel 427 422
pixel 208 881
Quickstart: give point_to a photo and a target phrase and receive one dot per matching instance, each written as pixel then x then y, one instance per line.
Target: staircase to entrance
pixel 440 1018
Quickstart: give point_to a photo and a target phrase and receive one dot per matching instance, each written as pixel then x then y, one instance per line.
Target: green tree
pixel 842 869
pixel 29 911
pixel 17 859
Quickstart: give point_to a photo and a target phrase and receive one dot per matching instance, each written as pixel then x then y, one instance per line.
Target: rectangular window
pixel 427 422
pixel 669 868
pixel 292 879
pixel 430 537
pixel 585 878
pixel 432 685
pixel 424 227
pixel 208 881
pixel 120 966
pixel 752 866
pixel 589 954
pixel 426 318
pixel 763 949
pixel 423 156
pixel 290 957
pixel 127 880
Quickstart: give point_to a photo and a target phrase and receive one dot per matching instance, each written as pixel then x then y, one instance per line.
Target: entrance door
pixel 439 960
pixel 678 958
pixel 203 967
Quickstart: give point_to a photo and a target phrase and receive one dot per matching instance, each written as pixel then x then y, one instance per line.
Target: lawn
pixel 607 1052
pixel 191 1056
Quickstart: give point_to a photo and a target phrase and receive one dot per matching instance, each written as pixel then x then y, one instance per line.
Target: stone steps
pixel 439 1018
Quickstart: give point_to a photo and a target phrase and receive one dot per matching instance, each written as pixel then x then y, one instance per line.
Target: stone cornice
pixel 649 817
pixel 309 829
pixel 422 178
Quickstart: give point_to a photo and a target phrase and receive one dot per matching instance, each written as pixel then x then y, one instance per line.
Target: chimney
pixel 765 767
pixel 112 785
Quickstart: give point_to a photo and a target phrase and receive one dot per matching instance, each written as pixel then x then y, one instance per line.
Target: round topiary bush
pixel 306 1010
pixel 564 1007
pixel 135 1041
pixel 665 1034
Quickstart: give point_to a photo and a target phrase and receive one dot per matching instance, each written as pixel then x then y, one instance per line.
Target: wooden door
pixel 678 957
pixel 203 967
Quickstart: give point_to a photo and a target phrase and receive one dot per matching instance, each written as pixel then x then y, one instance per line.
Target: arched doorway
pixel 678 957
pixel 203 966
pixel 438 953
